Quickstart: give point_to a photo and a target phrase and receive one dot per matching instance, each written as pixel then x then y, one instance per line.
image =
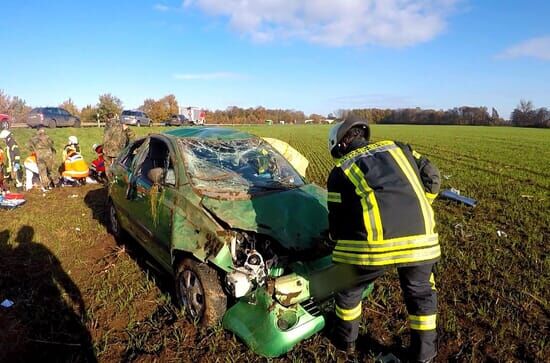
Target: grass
pixel 493 291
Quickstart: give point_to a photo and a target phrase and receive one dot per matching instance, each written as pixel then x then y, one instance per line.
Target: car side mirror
pixel 156 175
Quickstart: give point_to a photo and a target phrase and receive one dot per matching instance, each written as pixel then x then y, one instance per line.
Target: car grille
pixel 311 307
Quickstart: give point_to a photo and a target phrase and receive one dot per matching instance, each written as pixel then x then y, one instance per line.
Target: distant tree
pixel 70 106
pixel 14 106
pixel 108 103
pixel 160 110
pixel 88 114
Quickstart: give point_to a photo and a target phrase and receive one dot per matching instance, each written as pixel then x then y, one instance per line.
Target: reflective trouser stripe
pixel 389 245
pixel 416 155
pixel 371 212
pixel 431 197
pixel 405 166
pixel 390 258
pixel 423 322
pixel 348 314
pixel 432 282
pixel 334 197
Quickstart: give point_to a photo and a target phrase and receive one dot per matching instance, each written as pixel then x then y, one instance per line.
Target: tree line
pixel 524 115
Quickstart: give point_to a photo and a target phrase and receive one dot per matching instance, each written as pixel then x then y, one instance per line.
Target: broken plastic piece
pixel 502 234
pixel 7 303
pixel 451 194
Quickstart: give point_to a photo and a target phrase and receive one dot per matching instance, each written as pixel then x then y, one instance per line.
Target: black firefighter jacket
pixel 379 202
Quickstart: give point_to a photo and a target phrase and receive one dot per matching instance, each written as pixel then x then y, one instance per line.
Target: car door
pixel 65 117
pixel 152 204
pixel 119 184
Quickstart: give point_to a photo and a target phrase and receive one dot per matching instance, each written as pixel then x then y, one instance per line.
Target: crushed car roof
pixel 209 133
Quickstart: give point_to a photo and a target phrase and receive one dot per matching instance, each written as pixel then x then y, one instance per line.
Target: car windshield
pixel 237 167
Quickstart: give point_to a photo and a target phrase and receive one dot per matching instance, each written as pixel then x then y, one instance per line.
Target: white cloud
pixel 207 76
pixel 161 7
pixel 395 23
pixel 533 48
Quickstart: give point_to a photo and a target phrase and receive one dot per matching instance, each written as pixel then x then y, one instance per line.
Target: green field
pixel 493 291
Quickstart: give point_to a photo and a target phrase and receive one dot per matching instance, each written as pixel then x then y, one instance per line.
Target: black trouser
pixel 418 286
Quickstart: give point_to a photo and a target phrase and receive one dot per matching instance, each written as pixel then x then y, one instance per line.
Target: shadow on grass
pixel 46 321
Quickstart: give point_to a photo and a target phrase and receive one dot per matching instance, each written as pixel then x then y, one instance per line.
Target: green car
pixel 242 232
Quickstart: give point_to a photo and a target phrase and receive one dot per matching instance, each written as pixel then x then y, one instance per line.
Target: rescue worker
pixel 97 166
pixel 12 165
pixel 115 138
pixel 43 148
pixel 71 144
pixel 380 216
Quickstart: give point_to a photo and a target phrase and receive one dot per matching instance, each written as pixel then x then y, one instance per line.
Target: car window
pixel 127 156
pixel 249 166
pixel 126 113
pixel 157 155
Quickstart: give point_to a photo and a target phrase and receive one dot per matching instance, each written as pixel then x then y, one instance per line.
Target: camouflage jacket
pixel 42 145
pixel 114 140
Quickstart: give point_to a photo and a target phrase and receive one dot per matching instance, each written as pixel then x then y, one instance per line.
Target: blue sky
pixel 315 56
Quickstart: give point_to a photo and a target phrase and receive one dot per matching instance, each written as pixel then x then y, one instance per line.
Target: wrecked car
pixel 233 219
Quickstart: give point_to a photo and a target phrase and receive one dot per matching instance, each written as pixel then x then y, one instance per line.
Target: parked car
pixel 5 121
pixel 51 117
pixel 239 228
pixel 135 118
pixel 177 120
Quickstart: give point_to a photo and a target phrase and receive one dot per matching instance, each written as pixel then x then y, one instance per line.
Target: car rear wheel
pixel 52 124
pixel 138 124
pixel 200 293
pixel 112 220
pixel 77 123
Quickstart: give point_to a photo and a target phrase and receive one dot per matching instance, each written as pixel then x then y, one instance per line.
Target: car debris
pixel 7 303
pixel 501 233
pixel 454 195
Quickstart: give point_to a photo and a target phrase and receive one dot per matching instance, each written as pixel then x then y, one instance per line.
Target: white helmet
pixel 338 131
pixel 73 140
pixel 4 134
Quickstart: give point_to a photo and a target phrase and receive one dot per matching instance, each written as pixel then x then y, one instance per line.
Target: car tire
pixel 113 222
pixel 138 124
pixel 52 124
pixel 77 123
pixel 200 293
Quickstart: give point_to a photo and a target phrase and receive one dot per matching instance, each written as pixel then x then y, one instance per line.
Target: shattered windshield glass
pixel 237 166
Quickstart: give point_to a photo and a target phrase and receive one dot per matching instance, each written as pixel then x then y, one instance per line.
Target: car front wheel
pixel 200 293
pixel 52 124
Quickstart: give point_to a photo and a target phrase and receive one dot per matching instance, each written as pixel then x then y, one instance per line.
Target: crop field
pixel 82 296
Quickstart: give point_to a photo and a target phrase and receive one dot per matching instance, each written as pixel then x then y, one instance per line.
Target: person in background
pixel 380 215
pixel 97 166
pixel 115 138
pixel 72 144
pixel 12 165
pixel 42 146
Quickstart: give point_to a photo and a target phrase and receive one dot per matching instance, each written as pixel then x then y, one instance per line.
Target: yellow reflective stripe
pixel 433 236
pixel 390 258
pixel 416 155
pixel 405 166
pixel 334 197
pixel 432 281
pixel 348 314
pixel 388 246
pixel 431 197
pixel 384 145
pixel 366 210
pixel 373 203
pixel 423 322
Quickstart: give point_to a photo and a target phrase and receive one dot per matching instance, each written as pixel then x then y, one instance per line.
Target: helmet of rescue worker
pixel 73 140
pixel 4 134
pixel 97 148
pixel 338 131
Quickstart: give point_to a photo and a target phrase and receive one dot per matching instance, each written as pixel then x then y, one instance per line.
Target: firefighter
pixel 12 165
pixel 380 216
pixel 43 148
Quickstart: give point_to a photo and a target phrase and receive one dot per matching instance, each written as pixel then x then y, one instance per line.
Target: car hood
pixel 296 218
